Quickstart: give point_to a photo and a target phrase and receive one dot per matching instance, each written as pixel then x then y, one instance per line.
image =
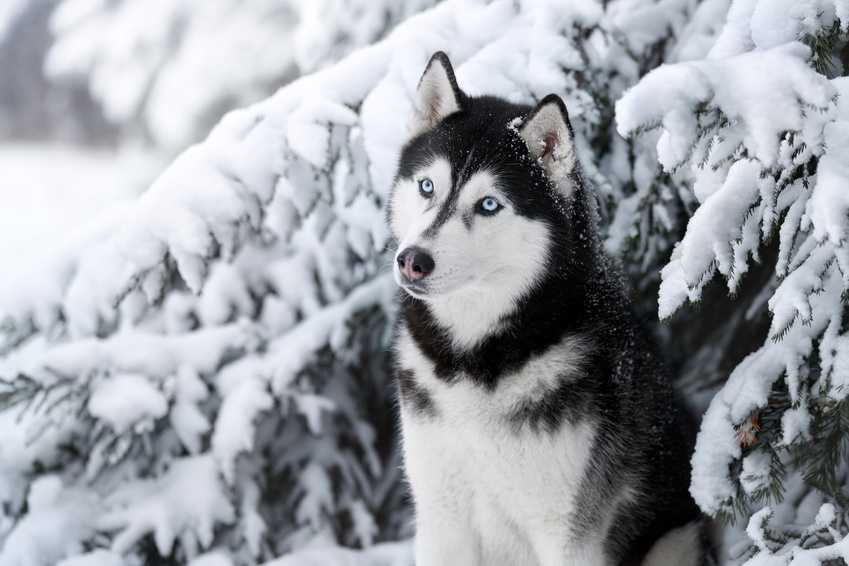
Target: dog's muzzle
pixel 415 263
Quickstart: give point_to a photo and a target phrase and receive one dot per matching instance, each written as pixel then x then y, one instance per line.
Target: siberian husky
pixel 538 425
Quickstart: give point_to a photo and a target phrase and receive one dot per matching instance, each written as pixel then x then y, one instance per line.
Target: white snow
pixel 189 422
pixel 388 554
pixel 234 427
pixel 60 520
pixel 145 353
pixel 828 208
pixel 187 502
pixel 69 187
pixel 212 559
pixel 127 400
pixel 759 24
pixel 754 477
pixel 176 66
pixel 10 11
pixel 208 327
pixel 99 557
pixel 756 526
pixel 793 555
pixel 764 113
pixel 759 91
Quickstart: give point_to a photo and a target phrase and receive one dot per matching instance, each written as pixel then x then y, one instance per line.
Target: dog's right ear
pixel 438 95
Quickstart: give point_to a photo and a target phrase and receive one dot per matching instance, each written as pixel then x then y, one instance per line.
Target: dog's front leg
pixel 442 541
pixel 562 549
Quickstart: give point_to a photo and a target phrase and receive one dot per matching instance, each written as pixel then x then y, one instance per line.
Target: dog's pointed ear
pixel 437 97
pixel 548 134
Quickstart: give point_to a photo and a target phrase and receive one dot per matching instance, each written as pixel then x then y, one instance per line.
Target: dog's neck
pixel 483 343
pixel 471 316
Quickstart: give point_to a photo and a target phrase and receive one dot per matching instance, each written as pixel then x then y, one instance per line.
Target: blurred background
pixel 194 380
pixel 97 96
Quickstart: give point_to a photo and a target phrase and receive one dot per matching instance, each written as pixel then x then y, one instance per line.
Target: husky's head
pixel 481 195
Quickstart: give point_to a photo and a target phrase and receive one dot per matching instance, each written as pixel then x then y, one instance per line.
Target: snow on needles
pixel 759 91
pixel 60 520
pixel 748 120
pixel 215 353
pixel 185 502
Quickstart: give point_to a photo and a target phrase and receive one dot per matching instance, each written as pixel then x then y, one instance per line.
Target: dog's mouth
pixel 415 289
pixel 431 289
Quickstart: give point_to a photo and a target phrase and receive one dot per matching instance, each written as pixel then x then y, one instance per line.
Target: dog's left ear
pixel 548 133
pixel 438 95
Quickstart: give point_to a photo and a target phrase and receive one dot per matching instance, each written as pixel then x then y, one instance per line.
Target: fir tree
pixel 761 125
pixel 202 375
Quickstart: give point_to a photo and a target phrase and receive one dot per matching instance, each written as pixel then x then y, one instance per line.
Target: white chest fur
pixel 488 491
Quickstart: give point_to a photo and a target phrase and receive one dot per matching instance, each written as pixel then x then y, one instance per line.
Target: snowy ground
pixel 388 554
pixel 47 191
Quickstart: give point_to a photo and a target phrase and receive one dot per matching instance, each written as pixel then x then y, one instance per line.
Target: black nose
pixel 415 263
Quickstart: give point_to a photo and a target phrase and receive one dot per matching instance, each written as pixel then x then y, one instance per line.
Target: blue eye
pixel 489 204
pixel 426 187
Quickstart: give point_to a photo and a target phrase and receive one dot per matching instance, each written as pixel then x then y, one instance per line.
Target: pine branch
pixel 21 389
pixel 822 44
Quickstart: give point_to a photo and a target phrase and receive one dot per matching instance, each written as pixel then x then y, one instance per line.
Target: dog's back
pixel 539 427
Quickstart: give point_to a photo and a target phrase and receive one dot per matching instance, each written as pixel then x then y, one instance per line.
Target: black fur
pixel 569 403
pixel 412 394
pixel 624 388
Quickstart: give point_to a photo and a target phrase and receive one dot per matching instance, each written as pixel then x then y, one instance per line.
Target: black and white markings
pixel 538 425
pixel 412 394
